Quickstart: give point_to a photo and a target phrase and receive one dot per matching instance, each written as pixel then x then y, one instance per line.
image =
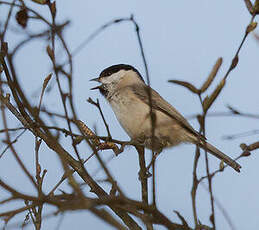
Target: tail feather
pixel 220 155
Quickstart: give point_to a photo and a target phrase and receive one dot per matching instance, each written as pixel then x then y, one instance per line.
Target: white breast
pixel 130 112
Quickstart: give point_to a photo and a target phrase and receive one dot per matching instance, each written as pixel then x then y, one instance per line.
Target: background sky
pixel 182 40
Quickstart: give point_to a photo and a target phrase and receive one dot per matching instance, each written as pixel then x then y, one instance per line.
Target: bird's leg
pixel 153 160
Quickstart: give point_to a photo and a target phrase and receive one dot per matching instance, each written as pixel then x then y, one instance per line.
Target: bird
pixel 134 103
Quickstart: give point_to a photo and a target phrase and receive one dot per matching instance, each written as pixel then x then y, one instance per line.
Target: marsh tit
pixel 130 99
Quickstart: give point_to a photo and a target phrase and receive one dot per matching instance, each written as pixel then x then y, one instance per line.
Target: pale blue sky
pixel 182 40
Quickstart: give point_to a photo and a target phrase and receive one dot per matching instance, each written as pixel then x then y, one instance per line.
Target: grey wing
pixel 158 103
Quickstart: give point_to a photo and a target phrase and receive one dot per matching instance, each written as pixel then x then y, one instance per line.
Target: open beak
pixel 95 79
pixel 97 87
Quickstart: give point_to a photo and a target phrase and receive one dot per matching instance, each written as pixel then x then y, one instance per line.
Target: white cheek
pixel 106 80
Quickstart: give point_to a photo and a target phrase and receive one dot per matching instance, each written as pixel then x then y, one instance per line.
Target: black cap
pixel 116 68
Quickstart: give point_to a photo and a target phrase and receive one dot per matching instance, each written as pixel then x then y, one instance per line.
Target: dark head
pixel 111 76
pixel 116 68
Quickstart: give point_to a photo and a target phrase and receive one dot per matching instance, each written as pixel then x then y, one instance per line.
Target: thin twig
pixel 97 104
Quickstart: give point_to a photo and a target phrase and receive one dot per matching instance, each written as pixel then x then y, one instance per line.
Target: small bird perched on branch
pixel 133 102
